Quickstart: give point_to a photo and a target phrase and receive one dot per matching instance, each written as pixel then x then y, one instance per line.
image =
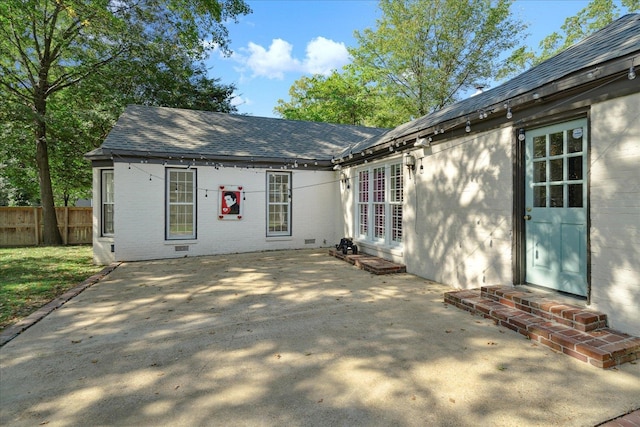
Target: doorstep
pixel 370 263
pixel 578 332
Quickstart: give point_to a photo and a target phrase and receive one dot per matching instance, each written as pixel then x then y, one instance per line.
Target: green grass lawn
pixel 30 277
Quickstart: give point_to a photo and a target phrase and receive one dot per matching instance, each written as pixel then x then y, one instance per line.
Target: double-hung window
pixel 363 203
pixel 181 204
pixel 107 202
pixel 395 202
pixel 379 204
pixel 278 204
pixel 378 198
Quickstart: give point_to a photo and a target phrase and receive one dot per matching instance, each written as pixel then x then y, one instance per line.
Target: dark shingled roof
pixel 619 39
pixel 167 131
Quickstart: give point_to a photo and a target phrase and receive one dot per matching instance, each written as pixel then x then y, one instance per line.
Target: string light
pixel 468 127
pixel 632 71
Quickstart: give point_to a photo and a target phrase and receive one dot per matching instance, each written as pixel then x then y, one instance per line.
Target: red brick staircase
pixel 370 263
pixel 566 328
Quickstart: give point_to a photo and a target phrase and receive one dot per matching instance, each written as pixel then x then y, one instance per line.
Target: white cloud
pixel 272 63
pixel 322 56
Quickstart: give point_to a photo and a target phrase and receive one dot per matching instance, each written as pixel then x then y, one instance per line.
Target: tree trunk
pixel 51 234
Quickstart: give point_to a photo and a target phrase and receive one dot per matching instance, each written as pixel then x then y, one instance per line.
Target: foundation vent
pixel 309 241
pixel 184 248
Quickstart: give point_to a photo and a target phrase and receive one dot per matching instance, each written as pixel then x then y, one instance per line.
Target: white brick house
pixel 536 181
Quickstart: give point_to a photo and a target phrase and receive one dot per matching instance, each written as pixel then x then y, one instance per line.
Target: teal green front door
pixel 556 207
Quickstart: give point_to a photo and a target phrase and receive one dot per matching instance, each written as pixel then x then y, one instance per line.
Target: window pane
pixel 557 196
pixel 540 146
pixel 107 186
pixel 278 204
pixel 378 221
pixel 378 185
pixel 107 196
pixel 556 170
pixel 396 183
pixel 575 167
pixel 363 217
pixel 181 219
pixel 363 186
pixel 396 226
pixel 556 144
pixel 574 145
pixel 540 197
pixel 540 171
pixel 107 219
pixel 575 195
pixel 181 209
pixel 279 218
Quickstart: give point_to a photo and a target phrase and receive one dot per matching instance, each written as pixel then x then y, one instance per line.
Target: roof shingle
pixel 144 129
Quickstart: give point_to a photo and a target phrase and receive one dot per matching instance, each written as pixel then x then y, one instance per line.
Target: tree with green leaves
pixel 421 56
pixel 425 53
pixel 596 15
pixel 51 46
pixel 337 98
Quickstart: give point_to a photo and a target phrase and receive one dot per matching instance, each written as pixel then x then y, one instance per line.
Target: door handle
pixel 527 217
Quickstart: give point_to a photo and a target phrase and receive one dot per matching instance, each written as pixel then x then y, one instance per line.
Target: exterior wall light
pixel 410 162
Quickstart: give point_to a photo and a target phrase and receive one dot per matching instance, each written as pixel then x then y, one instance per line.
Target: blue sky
pixel 283 40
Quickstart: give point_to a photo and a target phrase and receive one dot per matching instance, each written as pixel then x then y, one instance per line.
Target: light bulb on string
pixel 468 127
pixel 509 113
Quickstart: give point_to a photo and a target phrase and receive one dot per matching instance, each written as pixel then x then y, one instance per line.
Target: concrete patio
pixel 289 338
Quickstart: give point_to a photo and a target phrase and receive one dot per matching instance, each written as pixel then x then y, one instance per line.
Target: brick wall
pixel 457 221
pixel 615 211
pixel 140 214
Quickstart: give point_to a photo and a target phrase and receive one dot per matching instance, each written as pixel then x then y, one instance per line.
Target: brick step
pixel 602 347
pixel 566 314
pixel 370 263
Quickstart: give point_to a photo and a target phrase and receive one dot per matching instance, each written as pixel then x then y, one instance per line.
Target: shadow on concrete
pixel 289 338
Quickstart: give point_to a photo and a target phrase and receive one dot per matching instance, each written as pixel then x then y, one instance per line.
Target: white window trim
pixel 168 205
pixel 369 237
pixel 287 203
pixel 103 202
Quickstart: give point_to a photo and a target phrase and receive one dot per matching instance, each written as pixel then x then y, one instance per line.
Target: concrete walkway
pixel 289 338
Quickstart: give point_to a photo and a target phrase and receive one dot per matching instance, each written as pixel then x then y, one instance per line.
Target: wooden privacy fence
pixel 22 226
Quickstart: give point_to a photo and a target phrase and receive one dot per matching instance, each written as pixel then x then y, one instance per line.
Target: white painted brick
pixel 140 213
pixel 615 211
